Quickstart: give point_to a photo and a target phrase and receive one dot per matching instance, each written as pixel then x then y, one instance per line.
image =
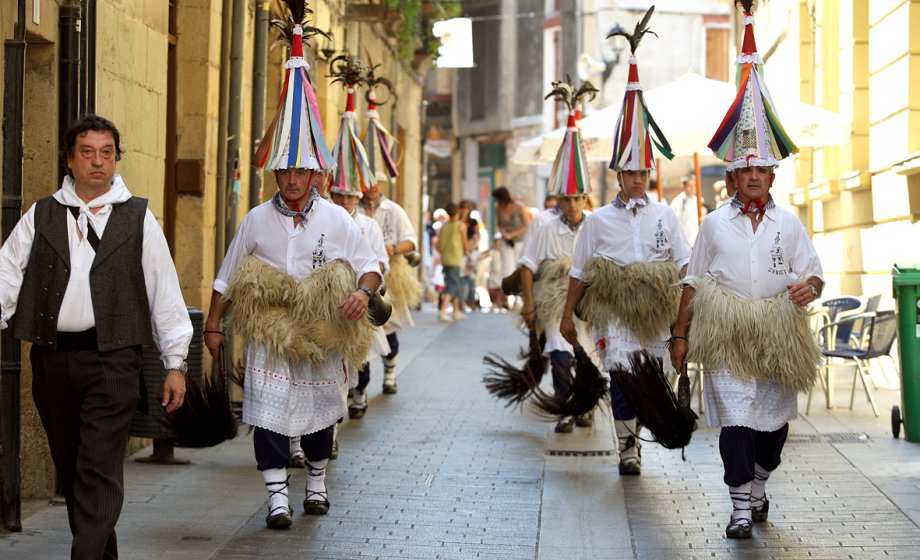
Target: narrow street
pixel 443 471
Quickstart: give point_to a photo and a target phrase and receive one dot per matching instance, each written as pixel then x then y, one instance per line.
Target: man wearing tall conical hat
pixel 297 277
pixel 630 242
pixel 399 236
pixel 742 312
pixel 547 255
pixel 346 190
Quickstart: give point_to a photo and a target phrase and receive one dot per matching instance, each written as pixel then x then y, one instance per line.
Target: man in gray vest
pixel 87 278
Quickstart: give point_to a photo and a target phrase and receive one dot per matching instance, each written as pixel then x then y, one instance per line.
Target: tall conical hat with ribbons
pixel 751 134
pixel 295 136
pixel 352 174
pixel 378 142
pixel 632 140
pixel 569 176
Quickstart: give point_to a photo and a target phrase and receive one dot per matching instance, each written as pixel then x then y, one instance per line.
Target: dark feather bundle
pixel 587 387
pixel 372 81
pixel 746 5
pixel 512 384
pixel 667 416
pixel 636 36
pixel 206 417
pixel 347 70
pixel 566 92
pixel 289 13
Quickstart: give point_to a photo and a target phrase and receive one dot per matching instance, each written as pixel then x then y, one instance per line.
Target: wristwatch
pixel 814 291
pixel 366 290
pixel 183 367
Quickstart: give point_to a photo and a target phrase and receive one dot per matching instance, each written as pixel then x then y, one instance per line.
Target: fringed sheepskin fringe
pixel 298 320
pixel 402 284
pixel 764 340
pixel 550 289
pixel 643 297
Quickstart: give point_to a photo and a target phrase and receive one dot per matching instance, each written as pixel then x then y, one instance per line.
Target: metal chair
pixel 881 330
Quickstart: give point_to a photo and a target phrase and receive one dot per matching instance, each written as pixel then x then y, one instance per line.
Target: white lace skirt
pixel 293 399
pixel 732 401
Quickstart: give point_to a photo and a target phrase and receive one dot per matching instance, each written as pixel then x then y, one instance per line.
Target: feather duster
pixel 512 384
pixel 206 417
pixel 587 388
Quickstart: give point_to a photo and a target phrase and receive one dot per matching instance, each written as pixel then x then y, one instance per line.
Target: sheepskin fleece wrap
pixel 549 291
pixel 764 340
pixel 402 284
pixel 643 297
pixel 298 320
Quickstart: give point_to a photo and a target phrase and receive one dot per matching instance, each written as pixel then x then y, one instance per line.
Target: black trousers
pixel 741 447
pixel 273 450
pixel 394 346
pixel 86 399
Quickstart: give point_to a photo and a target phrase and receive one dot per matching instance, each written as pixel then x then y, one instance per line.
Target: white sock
pixel 316 477
pixel 625 430
pixel 758 486
pixel 360 398
pixel 276 482
pixel 741 501
pixel 389 370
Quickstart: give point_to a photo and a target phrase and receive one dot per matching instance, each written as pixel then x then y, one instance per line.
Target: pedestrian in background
pixel 512 220
pixel 468 296
pixel 684 205
pixel 453 244
pixel 88 274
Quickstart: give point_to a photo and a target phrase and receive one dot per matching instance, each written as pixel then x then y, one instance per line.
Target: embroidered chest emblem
pixel 777 258
pixel 387 228
pixel 661 240
pixel 319 253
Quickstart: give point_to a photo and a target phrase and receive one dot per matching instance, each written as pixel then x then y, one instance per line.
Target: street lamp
pixel 616 49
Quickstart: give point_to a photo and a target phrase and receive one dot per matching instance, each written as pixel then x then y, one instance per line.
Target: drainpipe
pixel 259 64
pixel 224 104
pixel 70 21
pixel 234 117
pixel 10 358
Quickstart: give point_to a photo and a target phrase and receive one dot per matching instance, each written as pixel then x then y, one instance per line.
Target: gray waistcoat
pixel 116 278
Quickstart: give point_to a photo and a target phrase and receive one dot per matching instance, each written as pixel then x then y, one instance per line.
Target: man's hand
pixel 678 349
pixel 801 293
pixel 355 305
pixel 569 333
pixel 173 390
pixel 391 250
pixel 213 340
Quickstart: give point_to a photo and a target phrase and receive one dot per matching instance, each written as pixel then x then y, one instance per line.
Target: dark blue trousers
pixel 273 450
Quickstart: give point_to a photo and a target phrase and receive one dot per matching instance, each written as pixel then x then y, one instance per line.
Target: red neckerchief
pixel 756 202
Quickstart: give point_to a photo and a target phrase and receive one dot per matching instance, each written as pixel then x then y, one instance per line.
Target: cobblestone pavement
pixel 442 470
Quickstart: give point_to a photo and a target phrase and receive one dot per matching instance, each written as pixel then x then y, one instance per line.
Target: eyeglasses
pixel 106 153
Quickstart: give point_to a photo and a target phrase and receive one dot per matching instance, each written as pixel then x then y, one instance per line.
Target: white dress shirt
pixel 753 265
pixel 170 323
pixel 541 218
pixel 374 237
pixel 685 208
pixel 394 223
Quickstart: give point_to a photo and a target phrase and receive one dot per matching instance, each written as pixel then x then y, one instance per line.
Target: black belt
pixel 76 341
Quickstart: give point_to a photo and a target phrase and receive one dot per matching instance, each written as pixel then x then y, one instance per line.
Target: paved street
pixel 442 470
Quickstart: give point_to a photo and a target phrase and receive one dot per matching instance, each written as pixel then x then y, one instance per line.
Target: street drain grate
pixel 563 453
pixel 842 437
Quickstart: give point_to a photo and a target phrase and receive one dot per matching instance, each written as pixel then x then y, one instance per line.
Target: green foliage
pixel 414 37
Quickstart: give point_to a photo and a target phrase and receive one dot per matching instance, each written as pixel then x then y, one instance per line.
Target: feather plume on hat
pixel 632 141
pixel 295 136
pixel 569 176
pixel 352 173
pixel 378 142
pixel 751 134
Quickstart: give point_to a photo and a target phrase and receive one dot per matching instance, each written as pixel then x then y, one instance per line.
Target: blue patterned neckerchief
pixel 572 227
pixel 753 206
pixel 281 206
pixel 633 204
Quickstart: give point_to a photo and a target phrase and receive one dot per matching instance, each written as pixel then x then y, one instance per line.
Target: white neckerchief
pixel 67 196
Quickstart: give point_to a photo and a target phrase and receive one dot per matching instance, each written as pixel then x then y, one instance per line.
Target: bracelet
pixel 684 338
pixel 213 332
pixel 366 290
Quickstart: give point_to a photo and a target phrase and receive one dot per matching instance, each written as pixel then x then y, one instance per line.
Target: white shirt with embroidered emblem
pixel 651 234
pixel 541 218
pixel 295 398
pixel 753 265
pixel 169 319
pixel 553 239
